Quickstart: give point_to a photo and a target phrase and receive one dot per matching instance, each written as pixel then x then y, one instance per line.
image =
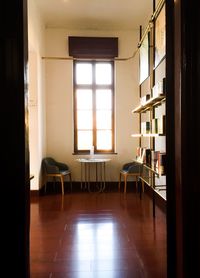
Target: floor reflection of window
pixel 96 243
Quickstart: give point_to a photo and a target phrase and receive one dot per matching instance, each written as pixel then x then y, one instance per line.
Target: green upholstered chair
pixel 55 169
pixel 129 169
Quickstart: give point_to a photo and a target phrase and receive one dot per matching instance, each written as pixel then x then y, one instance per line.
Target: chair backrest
pixel 51 166
pixel 131 167
pixel 126 166
pixel 46 162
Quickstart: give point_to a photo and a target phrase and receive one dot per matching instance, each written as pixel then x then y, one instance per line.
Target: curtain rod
pixel 158 9
pixel 151 21
pixel 75 59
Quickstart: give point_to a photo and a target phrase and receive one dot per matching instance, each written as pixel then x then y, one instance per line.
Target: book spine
pixel 145 127
pixel 148 157
pixel 159 89
pixel 162 125
pixel 162 162
pixel 154 125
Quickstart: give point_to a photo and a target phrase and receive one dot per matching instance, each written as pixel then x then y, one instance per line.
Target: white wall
pixel 59 100
pixel 37 130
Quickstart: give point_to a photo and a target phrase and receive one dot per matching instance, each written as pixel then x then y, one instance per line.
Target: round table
pixel 87 165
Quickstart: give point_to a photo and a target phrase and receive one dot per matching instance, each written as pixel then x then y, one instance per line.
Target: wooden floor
pixel 97 235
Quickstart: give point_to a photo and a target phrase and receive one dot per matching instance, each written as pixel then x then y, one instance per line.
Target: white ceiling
pixel 95 14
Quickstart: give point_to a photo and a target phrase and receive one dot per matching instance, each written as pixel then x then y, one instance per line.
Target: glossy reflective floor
pixel 97 235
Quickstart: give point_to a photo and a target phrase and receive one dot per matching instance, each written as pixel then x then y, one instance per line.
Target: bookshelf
pixel 151 151
pixel 152 102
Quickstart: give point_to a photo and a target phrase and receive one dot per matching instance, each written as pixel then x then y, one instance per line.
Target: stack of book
pixel 158 162
pixel 143 155
pixel 154 159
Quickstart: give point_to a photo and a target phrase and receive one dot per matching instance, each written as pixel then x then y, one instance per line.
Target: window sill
pixel 87 153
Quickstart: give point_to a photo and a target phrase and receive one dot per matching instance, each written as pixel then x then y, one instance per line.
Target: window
pixel 93 106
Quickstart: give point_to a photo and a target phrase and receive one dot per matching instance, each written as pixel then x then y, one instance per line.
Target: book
pixel 148 157
pixel 154 125
pixel 144 155
pixel 138 152
pixel 161 125
pixel 159 88
pixel 144 99
pixel 162 163
pixel 141 154
pixel 155 160
pixel 145 127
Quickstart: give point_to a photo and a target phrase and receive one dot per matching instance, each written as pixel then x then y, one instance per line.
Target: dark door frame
pixel 183 139
pixel 15 184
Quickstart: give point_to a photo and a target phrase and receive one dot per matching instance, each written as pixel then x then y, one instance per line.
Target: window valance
pixel 93 47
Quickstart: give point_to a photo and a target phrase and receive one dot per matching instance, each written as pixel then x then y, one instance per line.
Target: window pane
pixel 84 73
pixel 85 140
pixel 103 99
pixel 103 74
pixel 104 120
pixel 84 119
pixel 84 99
pixel 104 140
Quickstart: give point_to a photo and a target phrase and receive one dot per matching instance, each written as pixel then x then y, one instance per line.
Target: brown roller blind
pixel 93 47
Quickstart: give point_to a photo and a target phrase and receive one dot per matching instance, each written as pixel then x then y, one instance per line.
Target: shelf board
pixel 146 180
pixel 151 170
pixel 149 104
pixel 147 135
pixel 162 193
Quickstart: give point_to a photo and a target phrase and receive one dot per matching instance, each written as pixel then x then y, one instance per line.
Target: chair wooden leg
pixel 70 178
pixel 142 187
pixel 125 183
pixel 54 183
pixel 136 182
pixel 119 181
pixel 62 184
pixel 45 184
